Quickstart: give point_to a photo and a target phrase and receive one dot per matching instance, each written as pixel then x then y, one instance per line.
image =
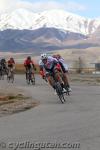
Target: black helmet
pixel 29 57
pixel 11 58
pixel 3 60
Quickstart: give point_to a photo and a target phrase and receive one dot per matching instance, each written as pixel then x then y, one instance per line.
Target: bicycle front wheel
pixel 59 92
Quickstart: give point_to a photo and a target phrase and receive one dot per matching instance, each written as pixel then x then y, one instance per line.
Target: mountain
pixel 24 30
pixel 25 19
pixel 39 39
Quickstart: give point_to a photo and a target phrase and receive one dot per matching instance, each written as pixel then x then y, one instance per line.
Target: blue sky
pixel 86 8
pixel 91 7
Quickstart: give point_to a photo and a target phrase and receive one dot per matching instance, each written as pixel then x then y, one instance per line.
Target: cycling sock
pixel 68 85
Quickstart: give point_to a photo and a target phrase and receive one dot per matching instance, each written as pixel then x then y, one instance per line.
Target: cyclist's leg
pixel 26 72
pixel 51 81
pixel 33 74
pixel 58 77
pixel 66 81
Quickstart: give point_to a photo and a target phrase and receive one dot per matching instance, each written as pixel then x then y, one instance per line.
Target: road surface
pixel 53 125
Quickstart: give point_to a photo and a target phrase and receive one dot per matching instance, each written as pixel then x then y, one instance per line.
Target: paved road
pixel 76 121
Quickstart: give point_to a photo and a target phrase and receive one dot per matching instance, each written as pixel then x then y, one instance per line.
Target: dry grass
pixel 10 104
pixel 85 78
pixel 21 69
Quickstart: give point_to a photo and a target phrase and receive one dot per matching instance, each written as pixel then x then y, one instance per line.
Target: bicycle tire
pixel 29 79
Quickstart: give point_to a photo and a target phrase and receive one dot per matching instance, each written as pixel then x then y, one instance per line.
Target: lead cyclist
pixel 64 69
pixel 48 63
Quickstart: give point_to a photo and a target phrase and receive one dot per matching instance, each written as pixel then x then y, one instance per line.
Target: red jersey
pixel 11 62
pixel 28 62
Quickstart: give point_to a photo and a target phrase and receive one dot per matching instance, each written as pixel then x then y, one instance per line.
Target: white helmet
pixel 43 56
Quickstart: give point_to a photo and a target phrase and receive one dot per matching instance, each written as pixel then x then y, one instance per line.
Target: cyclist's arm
pixel 41 71
pixel 62 67
pixel 33 65
pixel 25 64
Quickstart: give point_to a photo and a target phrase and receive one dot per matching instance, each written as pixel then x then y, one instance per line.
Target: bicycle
pixel 58 85
pixel 10 75
pixel 30 77
pixel 59 88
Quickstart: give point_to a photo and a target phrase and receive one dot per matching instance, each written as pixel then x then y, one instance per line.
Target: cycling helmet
pixel 3 60
pixel 54 56
pixel 12 59
pixel 29 57
pixel 58 56
pixel 43 56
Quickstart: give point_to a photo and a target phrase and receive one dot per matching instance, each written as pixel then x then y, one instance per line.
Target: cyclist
pixel 29 64
pixel 64 69
pixel 48 63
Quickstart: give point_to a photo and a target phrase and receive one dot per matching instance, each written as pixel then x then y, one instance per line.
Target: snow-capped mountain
pixel 24 30
pixel 59 19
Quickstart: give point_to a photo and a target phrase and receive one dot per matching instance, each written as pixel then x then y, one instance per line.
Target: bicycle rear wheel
pixel 67 91
pixel 10 77
pixel 29 79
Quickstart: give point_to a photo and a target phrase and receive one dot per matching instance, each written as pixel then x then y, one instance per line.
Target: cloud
pixel 10 5
pixel 7 5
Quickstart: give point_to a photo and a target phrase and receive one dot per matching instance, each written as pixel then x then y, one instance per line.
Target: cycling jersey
pixel 11 63
pixel 49 64
pixel 61 60
pixel 29 64
pixel 62 63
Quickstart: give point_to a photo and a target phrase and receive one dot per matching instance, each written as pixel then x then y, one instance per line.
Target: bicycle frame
pixel 10 75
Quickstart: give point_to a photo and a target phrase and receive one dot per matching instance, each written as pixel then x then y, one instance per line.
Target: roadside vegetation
pixel 11 103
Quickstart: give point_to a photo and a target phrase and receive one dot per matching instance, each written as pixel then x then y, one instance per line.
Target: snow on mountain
pixel 65 21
